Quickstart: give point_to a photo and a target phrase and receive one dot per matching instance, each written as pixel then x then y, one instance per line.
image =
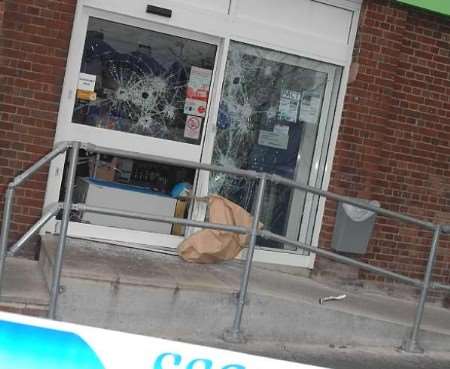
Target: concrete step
pixel 160 295
pixel 24 290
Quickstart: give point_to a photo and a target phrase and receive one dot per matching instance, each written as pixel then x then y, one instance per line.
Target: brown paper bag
pixel 211 246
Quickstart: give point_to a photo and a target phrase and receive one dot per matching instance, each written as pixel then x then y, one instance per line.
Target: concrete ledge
pixel 24 290
pixel 160 295
pixel 26 309
pixel 24 282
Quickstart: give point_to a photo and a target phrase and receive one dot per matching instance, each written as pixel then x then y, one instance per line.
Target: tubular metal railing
pixel 410 343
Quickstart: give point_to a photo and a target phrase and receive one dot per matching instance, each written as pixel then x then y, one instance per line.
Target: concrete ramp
pixel 25 290
pixel 160 295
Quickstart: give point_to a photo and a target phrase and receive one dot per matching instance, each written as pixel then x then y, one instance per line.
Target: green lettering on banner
pixel 439 6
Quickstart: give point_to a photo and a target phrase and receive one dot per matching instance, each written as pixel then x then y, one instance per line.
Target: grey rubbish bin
pixel 353 227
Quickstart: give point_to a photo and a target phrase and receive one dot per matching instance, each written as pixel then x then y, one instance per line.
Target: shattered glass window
pixel 268 122
pixel 144 82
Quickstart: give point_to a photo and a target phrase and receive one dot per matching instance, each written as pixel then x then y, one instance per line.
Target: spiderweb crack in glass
pixel 140 86
pixel 249 103
pixel 261 101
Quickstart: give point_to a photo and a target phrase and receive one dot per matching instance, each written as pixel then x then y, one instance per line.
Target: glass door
pixel 273 117
pixel 144 82
pixel 143 87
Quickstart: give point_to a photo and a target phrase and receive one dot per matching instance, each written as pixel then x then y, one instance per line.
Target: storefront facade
pixel 271 88
pixel 285 87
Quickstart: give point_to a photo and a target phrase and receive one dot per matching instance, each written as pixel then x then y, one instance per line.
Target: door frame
pixel 69 131
pixel 225 26
pixel 264 254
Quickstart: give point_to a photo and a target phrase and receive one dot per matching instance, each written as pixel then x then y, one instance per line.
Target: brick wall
pixel 393 143
pixel 2 11
pixel 34 43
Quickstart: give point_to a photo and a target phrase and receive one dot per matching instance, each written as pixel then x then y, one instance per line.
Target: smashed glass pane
pixel 138 81
pixel 270 103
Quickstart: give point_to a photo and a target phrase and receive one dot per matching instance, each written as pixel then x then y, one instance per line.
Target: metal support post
pixel 235 335
pixel 411 343
pixel 67 207
pixel 6 223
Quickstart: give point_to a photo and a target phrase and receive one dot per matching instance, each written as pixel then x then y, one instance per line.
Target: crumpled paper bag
pixel 212 246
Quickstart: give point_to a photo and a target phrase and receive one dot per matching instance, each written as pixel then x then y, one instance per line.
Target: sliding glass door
pixel 273 117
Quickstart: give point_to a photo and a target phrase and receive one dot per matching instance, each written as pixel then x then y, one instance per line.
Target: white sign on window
pixel 86 82
pixel 277 139
pixel 289 104
pixel 192 127
pixel 310 108
pixel 197 91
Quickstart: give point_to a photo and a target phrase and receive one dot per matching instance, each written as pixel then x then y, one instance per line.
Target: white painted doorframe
pixel 299 226
pixel 68 131
pixel 326 50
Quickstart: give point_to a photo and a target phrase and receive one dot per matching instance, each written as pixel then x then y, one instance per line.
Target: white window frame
pixel 212 25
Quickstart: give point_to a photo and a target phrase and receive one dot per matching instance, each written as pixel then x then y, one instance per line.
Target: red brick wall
pixel 393 143
pixel 34 42
pixel 2 11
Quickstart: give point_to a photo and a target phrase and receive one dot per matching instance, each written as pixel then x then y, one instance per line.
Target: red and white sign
pixel 192 127
pixel 197 91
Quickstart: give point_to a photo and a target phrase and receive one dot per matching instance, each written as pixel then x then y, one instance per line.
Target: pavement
pixel 363 358
pixel 345 357
pixel 24 290
pixel 160 295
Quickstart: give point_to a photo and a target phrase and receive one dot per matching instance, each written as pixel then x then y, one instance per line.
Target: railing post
pixel 235 335
pixel 6 223
pixel 67 207
pixel 411 344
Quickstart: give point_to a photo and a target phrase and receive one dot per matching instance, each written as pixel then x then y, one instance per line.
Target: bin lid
pixel 358 214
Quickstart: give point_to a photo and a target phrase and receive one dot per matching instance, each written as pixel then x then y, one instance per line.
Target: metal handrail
pixel 35 228
pixel 410 344
pixel 159 218
pixel 9 200
pixel 341 258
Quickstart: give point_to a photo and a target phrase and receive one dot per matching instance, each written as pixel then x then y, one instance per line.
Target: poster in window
pixel 310 108
pixel 197 92
pixel 192 127
pixel 289 104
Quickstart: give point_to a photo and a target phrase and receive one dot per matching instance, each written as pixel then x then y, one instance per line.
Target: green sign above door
pixel 440 6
